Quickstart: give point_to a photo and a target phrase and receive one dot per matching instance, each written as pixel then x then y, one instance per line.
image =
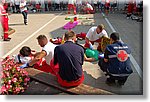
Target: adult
pixel 88 8
pixel 78 5
pixel 107 5
pixel 70 58
pixel 71 5
pixel 95 4
pixel 116 62
pixel 17 3
pixel 12 4
pixel 57 5
pixel 24 11
pixel 46 5
pixel 130 9
pixel 94 35
pixel 4 21
pixel 47 53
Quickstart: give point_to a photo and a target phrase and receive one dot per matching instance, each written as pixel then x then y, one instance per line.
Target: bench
pixel 51 80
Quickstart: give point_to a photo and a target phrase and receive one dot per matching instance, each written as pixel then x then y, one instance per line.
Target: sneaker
pixel 26 23
pixel 120 83
pixel 110 82
pixel 8 39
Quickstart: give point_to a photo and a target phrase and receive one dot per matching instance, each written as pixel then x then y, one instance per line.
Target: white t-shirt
pixel 95 1
pixel 89 6
pixel 65 1
pixel 79 2
pixel 49 48
pixel 92 34
pixel 72 2
pixel 57 1
pixel 21 59
pixel 17 2
pixel 23 6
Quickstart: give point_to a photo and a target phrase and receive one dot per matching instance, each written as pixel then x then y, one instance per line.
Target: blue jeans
pixel 24 15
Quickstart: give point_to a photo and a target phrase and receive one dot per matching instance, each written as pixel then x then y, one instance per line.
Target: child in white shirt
pixel 24 56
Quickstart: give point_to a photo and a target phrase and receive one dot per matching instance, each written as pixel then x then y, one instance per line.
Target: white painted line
pixel 3 42
pixel 133 61
pixel 112 28
pixel 15 48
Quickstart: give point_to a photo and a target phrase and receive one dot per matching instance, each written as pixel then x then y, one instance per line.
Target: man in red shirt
pixel 4 21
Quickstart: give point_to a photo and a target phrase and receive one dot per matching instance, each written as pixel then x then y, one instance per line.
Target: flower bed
pixel 13 79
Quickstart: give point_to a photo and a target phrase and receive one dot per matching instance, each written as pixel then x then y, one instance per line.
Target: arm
pixel 87 40
pixel 37 58
pixel 106 53
pixel 6 14
pixel 105 60
pixel 88 36
pixel 55 56
pixel 88 59
pixel 37 53
pixel 105 33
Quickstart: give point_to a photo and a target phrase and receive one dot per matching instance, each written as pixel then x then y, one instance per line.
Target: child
pixel 24 56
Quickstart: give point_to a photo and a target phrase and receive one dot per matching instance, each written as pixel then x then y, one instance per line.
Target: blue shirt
pixel 70 57
pixel 118 55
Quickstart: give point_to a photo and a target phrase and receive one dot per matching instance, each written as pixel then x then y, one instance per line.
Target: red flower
pixel 8 87
pixel 18 69
pixel 7 74
pixel 14 80
pixel 9 82
pixel 18 89
pixel 3 89
pixel 26 79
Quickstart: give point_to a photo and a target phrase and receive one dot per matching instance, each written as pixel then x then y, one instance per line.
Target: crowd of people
pixel 53 5
pixel 76 5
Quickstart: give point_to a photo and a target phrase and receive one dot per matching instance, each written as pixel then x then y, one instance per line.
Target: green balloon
pixel 92 53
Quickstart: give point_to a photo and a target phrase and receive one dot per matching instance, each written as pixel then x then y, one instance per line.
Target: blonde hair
pixel 69 35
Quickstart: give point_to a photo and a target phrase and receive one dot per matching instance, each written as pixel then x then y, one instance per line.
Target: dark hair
pixel 115 36
pixel 25 51
pixel 41 37
pixel 69 34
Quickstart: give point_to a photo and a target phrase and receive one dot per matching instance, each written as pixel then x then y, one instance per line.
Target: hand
pixel 91 47
pixel 8 14
pixel 24 65
pixel 93 60
pixel 101 56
